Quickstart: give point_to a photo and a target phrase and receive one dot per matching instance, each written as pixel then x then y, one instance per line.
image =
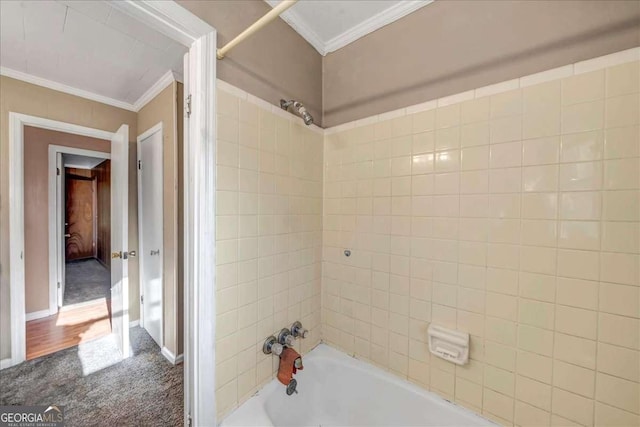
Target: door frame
pixel 181 25
pixel 17 122
pixel 56 211
pixel 141 248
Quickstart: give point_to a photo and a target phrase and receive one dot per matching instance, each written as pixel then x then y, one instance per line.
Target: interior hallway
pixel 68 328
pixel 98 389
pixel 86 280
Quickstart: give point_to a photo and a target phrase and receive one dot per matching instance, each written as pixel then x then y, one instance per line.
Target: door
pixel 120 238
pixel 61 227
pixel 80 236
pixel 150 179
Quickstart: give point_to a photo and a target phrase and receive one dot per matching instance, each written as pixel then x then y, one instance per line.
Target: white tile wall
pixel 514 216
pixel 268 239
pixel 511 212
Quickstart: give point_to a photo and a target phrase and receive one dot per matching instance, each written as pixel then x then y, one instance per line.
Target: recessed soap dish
pixel 449 344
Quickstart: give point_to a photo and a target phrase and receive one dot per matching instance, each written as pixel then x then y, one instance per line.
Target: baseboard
pixel 134 323
pixel 6 363
pixel 170 356
pixel 37 315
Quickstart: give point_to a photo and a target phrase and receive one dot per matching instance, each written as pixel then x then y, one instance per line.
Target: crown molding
pixel 295 22
pixel 168 78
pixel 370 25
pixel 374 23
pixel 164 81
pixel 60 87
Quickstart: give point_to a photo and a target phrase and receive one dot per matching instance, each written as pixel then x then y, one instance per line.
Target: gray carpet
pixel 97 389
pixel 86 280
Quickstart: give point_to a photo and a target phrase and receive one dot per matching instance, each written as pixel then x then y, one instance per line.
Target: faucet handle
pixel 298 331
pixel 277 349
pixel 272 346
pixel 286 338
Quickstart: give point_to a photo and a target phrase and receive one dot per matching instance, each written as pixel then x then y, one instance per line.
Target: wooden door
pixel 80 215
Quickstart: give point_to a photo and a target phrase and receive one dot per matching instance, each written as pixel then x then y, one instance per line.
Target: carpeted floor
pixel 97 389
pixel 86 280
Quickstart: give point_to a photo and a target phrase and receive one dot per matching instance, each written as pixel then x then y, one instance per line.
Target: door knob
pixel 116 254
pixel 67 235
pixel 132 253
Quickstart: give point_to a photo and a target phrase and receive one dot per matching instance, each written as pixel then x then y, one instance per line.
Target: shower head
pixel 299 109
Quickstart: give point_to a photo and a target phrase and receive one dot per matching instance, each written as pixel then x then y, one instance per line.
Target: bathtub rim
pixel 256 403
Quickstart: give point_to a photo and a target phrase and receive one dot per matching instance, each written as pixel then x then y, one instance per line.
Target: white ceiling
pixel 87 45
pixel 80 162
pixel 329 25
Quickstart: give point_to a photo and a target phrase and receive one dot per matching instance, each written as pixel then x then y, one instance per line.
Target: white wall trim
pixel 173 359
pixel 5 363
pixel 164 81
pixel 60 87
pixel 168 78
pixel 37 315
pixel 299 26
pixel 55 231
pixel 168 17
pixel 599 63
pixel 134 323
pixel 387 16
pixel 146 134
pixel 200 230
pixel 17 122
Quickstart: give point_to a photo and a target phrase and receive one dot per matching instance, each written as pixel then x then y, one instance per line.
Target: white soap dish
pixel 449 344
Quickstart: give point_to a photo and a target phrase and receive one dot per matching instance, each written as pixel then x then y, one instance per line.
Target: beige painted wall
pixel 36 207
pixel 514 217
pixel 21 97
pixel 163 108
pixel 448 47
pixel 276 63
pixel 268 241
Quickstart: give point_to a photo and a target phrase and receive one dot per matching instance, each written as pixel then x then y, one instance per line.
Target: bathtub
pixel 337 390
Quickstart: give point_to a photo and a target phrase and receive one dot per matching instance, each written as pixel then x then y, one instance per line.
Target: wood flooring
pixel 70 327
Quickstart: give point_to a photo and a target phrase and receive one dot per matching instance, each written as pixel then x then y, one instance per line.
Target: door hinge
pixel 139 164
pixel 187 106
pixel 58 171
pixel 189 421
pixel 141 299
pixel 59 285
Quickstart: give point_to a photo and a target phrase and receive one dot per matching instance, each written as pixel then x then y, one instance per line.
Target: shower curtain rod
pixel 270 16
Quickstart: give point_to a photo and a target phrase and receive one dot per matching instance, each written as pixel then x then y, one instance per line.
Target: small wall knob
pixel 298 331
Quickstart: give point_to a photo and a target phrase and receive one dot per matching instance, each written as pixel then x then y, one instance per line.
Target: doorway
pixel 53 328
pixel 78 179
pixel 87 230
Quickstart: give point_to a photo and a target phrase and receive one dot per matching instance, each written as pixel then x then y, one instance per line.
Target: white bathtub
pixel 337 390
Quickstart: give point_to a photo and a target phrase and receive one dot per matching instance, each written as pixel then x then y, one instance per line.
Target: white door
pixel 61 228
pixel 150 176
pixel 120 238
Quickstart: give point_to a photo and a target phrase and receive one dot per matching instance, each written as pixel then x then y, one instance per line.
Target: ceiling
pixel 80 162
pixel 87 45
pixel 329 25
